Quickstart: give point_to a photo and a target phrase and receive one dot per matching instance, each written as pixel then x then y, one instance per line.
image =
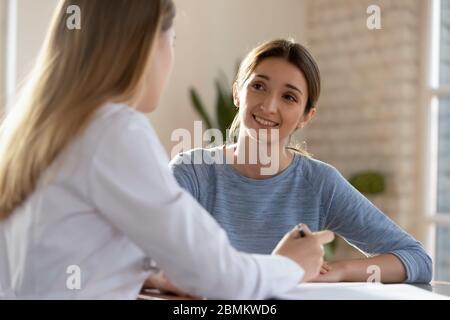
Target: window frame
pixel 433 91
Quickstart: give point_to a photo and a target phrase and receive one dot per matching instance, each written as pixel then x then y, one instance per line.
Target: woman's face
pixel 273 98
pixel 158 72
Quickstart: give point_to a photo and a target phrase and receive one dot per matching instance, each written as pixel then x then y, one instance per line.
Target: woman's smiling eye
pixel 258 86
pixel 290 98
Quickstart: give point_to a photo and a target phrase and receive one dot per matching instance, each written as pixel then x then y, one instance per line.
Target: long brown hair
pixel 293 53
pixel 76 73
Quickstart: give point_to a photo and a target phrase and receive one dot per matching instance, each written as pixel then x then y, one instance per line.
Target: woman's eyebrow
pixel 262 76
pixel 293 87
pixel 287 85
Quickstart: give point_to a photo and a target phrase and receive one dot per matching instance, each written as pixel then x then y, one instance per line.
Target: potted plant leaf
pixel 225 109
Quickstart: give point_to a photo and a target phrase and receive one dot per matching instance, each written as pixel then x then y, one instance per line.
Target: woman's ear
pixel 306 118
pixel 236 95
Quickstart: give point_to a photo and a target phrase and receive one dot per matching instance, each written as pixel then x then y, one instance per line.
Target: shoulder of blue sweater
pixel 206 155
pixel 314 169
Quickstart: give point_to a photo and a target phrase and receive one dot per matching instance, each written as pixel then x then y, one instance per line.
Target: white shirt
pixel 107 205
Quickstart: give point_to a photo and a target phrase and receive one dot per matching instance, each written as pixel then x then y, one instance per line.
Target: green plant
pixel 225 110
pixel 368 182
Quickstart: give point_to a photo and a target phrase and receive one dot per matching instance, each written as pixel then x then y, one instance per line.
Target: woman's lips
pixel 265 122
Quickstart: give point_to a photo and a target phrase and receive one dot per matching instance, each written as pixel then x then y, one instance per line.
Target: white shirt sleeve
pixel 131 185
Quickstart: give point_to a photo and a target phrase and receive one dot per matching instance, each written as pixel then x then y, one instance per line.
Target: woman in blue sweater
pixel 276 91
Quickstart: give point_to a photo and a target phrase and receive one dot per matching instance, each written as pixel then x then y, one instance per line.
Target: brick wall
pixel 366 113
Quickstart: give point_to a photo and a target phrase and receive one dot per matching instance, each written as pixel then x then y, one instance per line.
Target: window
pixel 439 93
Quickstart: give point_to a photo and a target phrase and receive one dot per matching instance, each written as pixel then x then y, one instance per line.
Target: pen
pixel 301 232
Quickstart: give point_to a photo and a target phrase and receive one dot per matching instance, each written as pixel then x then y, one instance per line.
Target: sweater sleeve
pixel 183 171
pixel 349 214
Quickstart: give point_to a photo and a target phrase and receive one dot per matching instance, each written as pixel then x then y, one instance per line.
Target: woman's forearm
pixel 386 268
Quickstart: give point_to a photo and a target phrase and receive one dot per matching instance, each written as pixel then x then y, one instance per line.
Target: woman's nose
pixel 270 104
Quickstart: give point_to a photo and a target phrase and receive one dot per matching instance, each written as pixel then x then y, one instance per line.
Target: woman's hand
pixel 162 283
pixel 325 268
pixel 331 272
pixel 386 268
pixel 306 251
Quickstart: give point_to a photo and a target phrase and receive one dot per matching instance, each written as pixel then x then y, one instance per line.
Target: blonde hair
pixel 76 73
pixel 293 53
